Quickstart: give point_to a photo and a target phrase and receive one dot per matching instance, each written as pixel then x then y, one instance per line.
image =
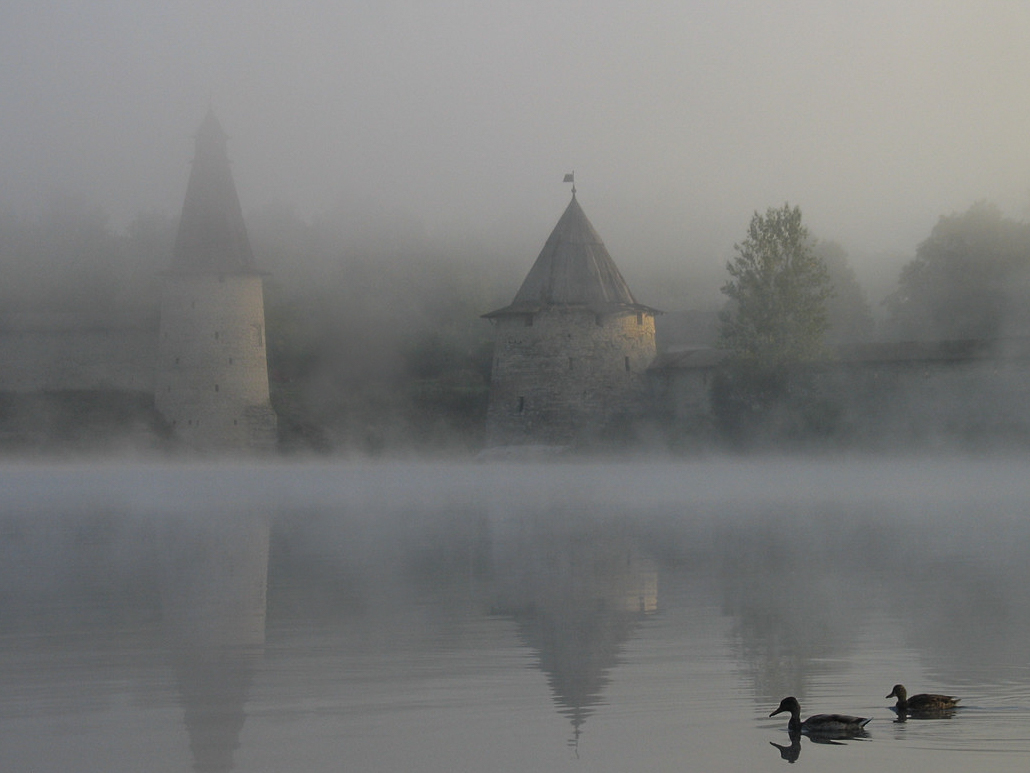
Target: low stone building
pixel 572 349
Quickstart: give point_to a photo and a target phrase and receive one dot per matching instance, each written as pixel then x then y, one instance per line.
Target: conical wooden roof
pixel 212 236
pixel 573 269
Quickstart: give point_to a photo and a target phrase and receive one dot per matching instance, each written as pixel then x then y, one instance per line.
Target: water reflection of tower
pixel 577 595
pixel 214 581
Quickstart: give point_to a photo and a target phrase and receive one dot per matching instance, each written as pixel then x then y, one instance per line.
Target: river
pixel 646 615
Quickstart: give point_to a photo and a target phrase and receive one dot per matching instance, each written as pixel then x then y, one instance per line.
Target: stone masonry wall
pixel 935 403
pixel 211 382
pixel 53 353
pixel 885 404
pixel 565 374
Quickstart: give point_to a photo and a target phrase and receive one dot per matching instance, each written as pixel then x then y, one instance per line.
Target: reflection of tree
pixel 796 604
pixel 967 613
pixel 577 596
pixel 214 583
pixel 800 587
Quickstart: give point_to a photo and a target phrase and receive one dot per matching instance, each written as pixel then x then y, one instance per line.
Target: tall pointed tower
pixel 571 350
pixel 211 383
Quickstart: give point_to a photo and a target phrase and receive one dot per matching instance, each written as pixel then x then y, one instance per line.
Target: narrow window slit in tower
pixel 627 363
pixel 640 318
pixel 522 404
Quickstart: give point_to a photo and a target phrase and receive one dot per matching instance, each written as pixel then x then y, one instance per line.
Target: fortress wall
pixel 880 403
pixel 51 353
pixel 939 401
pixel 684 395
pixel 567 373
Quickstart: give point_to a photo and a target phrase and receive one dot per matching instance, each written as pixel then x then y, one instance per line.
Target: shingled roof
pixel 212 236
pixel 573 269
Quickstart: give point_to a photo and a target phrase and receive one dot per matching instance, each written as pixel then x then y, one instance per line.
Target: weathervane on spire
pixel 571 178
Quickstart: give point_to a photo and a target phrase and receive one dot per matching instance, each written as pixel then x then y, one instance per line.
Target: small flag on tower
pixel 570 178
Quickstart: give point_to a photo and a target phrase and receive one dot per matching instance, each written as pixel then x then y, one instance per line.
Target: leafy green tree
pixel 776 317
pixel 778 290
pixel 969 279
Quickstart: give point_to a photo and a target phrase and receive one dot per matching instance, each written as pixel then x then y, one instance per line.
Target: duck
pixel 839 725
pixel 922 703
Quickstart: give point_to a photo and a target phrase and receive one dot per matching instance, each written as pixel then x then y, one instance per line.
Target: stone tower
pixel 211 383
pixel 571 350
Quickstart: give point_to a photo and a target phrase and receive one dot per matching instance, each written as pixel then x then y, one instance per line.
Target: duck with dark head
pixel 821 725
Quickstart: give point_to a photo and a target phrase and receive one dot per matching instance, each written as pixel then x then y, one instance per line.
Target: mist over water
pixel 509 617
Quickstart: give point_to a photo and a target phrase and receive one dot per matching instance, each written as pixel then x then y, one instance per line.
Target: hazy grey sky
pixel 680 118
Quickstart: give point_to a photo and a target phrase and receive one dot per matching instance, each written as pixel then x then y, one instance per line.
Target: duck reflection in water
pixel 821 727
pixel 792 752
pixel 922 706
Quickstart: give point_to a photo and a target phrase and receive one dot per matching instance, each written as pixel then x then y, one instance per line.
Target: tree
pixel 969 279
pixel 847 309
pixel 776 317
pixel 778 292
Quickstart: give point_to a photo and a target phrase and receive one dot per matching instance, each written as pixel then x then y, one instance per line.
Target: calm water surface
pixel 433 617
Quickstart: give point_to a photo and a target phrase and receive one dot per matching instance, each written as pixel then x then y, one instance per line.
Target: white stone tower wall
pixel 570 371
pixel 211 383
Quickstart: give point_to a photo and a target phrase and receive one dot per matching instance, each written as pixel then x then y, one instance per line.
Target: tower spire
pixel 212 236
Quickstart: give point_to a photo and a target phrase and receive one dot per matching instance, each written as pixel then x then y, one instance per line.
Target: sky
pixel 457 119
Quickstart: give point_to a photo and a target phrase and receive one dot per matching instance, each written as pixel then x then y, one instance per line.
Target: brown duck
pixel 922 703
